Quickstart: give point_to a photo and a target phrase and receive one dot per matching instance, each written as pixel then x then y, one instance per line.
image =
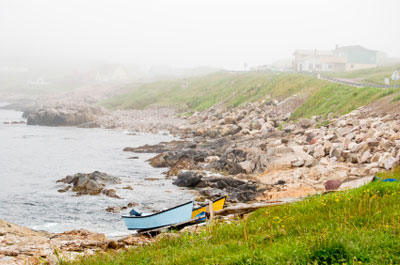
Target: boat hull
pixel 217 205
pixel 177 214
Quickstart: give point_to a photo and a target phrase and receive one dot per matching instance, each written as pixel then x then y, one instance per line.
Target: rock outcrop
pixel 214 187
pixel 67 115
pixel 90 184
pixel 21 245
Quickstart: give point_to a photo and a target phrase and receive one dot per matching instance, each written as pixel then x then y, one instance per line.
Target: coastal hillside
pixel 358 226
pixel 225 88
pixel 231 89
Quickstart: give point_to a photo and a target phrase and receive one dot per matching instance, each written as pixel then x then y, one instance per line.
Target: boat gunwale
pixel 205 205
pixel 163 211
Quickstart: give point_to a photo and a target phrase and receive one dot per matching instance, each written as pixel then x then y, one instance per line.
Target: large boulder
pixel 90 184
pixel 64 116
pixel 213 193
pixel 333 184
pixel 188 179
pixel 387 161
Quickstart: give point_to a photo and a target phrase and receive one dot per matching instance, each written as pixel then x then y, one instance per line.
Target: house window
pixel 318 66
pixel 352 66
pixel 330 66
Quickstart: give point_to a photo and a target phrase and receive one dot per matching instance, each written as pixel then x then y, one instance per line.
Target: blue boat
pixel 177 214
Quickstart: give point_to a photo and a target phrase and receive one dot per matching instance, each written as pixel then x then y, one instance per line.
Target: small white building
pixel 317 61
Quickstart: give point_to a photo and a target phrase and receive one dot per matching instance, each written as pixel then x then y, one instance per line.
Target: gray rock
pixel 230 129
pixel 255 125
pixel 390 163
pixel 288 128
pixel 365 157
pixel 298 162
pixel 248 166
pixel 242 196
pixel 213 193
pixel 327 147
pixel 305 123
pixel 353 147
pixel 387 161
pixel 188 179
pixel 110 193
pixel 63 116
pixel 336 151
pixel 319 151
pixel 113 209
pixel 90 184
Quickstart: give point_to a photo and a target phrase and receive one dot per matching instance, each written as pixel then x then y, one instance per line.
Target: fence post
pixel 210 208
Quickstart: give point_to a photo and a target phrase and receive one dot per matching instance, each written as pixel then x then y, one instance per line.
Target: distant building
pixel 357 57
pixel 345 58
pixel 317 61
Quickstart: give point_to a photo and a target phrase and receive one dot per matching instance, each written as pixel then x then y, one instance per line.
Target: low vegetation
pixel 360 226
pixel 232 89
pixel 396 98
pixel 372 75
pixel 226 88
pixel 393 174
pixel 339 99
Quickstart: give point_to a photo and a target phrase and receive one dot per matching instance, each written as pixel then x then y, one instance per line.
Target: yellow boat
pixel 218 204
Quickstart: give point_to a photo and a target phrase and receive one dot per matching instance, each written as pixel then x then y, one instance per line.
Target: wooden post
pixel 210 208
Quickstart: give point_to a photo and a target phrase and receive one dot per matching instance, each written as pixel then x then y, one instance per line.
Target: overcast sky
pixel 186 33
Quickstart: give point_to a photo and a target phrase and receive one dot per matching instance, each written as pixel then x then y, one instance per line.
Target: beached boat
pixel 218 204
pixel 174 215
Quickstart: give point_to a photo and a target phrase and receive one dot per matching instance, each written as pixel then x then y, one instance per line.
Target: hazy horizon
pixel 186 34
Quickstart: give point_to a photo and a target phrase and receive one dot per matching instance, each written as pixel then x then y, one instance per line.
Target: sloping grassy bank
pixel 339 99
pixel 233 89
pixel 360 226
pixel 227 88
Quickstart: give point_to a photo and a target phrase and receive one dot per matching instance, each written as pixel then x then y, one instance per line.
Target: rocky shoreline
pixel 273 157
pixel 252 153
pixel 21 245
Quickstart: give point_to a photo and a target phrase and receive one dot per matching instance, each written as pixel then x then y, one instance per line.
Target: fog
pixel 180 33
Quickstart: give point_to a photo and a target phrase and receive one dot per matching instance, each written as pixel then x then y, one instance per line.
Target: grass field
pixel 360 226
pixel 373 75
pixel 339 99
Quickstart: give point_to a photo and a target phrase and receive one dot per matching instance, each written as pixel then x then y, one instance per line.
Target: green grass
pixel 233 89
pixel 360 226
pixel 227 88
pixel 339 99
pixel 372 75
pixel 396 98
pixel 393 174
